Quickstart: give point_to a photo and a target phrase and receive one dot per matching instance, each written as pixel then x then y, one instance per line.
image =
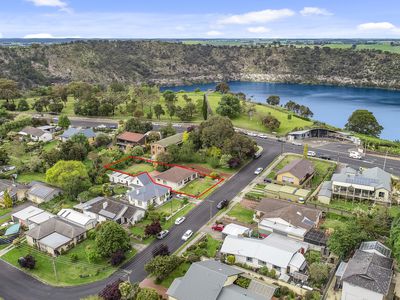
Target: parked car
pixel 311 153
pixel 296 143
pixel 355 154
pixel 162 234
pixel 187 235
pixel 267 180
pixel 325 156
pixel 301 200
pixel 263 136
pixel 222 204
pixel 218 227
pixel 258 171
pixel 180 220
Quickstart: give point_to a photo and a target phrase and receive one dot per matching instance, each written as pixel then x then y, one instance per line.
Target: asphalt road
pixel 16 285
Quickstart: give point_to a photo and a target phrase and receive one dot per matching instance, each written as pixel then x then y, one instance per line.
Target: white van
pixel 355 154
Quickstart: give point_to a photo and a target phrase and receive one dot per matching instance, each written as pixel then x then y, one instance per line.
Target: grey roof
pixel 235 292
pixel 11 187
pixel 326 189
pixel 114 210
pixel 176 174
pixel 144 178
pixel 203 281
pixel 149 189
pixel 171 140
pixel 377 246
pixel 33 131
pixel 374 177
pixel 70 132
pixel 369 271
pixel 58 225
pixel 55 240
pixel 43 191
pixel 300 168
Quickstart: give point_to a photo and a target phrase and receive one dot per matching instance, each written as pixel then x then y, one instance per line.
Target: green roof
pixel 171 140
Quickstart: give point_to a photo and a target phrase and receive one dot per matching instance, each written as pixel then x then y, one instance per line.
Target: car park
pixel 311 153
pixel 218 227
pixel 162 234
pixel 222 204
pixel 187 235
pixel 180 220
pixel 258 171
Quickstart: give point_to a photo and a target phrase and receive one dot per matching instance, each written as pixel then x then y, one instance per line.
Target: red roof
pixel 131 136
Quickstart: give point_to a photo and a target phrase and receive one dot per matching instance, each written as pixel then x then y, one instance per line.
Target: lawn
pixel 171 206
pixel 241 213
pixel 213 246
pixel 333 221
pixel 198 186
pixel 67 272
pixel 49 146
pixel 4 211
pixel 58 203
pixel 139 168
pixel 178 272
pixel 28 177
pixel 349 205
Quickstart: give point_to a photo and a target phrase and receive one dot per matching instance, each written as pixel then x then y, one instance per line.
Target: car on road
pixel 263 136
pixel 296 143
pixel 162 234
pixel 180 220
pixel 187 235
pixel 258 171
pixel 355 154
pixel 218 227
pixel 222 204
pixel 311 153
pixel 324 156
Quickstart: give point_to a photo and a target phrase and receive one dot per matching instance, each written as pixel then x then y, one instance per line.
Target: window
pixel 249 259
pixel 262 263
pixel 381 194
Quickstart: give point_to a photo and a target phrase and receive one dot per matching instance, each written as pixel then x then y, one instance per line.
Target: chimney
pixel 105 204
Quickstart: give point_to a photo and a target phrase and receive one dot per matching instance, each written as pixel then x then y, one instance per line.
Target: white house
pixel 277 252
pixel 77 218
pixel 176 177
pixel 120 178
pixel 36 134
pixel 145 192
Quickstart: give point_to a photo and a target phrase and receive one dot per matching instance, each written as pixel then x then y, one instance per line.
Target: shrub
pixel 111 291
pixel 91 235
pixel 153 228
pixel 214 175
pixel 230 259
pixel 27 262
pixel 74 257
pixel 243 282
pixel 117 257
pixel 192 258
pixel 312 295
pixel 161 250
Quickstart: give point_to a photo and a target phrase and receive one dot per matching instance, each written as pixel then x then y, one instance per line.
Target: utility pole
pixel 211 203
pixel 384 162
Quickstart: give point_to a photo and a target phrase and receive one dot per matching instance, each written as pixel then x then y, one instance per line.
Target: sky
pixel 200 19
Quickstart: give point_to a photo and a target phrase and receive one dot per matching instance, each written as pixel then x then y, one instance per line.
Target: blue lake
pixel 330 104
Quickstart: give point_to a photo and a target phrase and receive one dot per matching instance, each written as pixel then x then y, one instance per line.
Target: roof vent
pixel 105 204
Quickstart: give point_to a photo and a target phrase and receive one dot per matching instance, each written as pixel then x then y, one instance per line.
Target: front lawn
pixel 241 213
pixel 198 186
pixel 170 207
pixel 67 272
pixel 4 211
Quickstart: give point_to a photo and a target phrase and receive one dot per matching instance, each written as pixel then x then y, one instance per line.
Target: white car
pixel 263 136
pixel 180 220
pixel 187 235
pixel 258 171
pixel 311 153
pixel 355 154
pixel 162 234
pixel 296 143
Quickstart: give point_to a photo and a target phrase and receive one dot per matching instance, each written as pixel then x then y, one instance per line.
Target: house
pixel 77 218
pixel 120 178
pixel 286 218
pixel 367 275
pixel 274 252
pixel 325 192
pixel 71 131
pixel 39 219
pixel 48 128
pixel 161 145
pixel 132 139
pixel 296 172
pixel 236 230
pixel 369 184
pixel 213 280
pixel 176 177
pixel 16 191
pixel 22 216
pixel 144 192
pixel 40 192
pixel 375 247
pixel 102 209
pixel 55 236
pixel 36 134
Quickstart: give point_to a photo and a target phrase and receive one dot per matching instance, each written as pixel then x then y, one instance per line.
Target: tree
pixel 8 89
pixel 364 122
pixel 273 100
pixel 204 107
pixel 229 106
pixel 305 151
pixel 4 158
pixel 158 111
pixel 28 262
pixel 222 87
pixel 250 110
pixel 71 176
pixel 136 125
pixel 161 250
pixel 162 266
pixel 64 122
pixel 167 130
pixel 56 107
pixel 128 291
pixel 215 130
pixel 239 146
pixel 319 273
pixel 111 291
pixel 110 238
pixel 117 257
pixel 171 108
pixel 147 294
pixel 137 151
pixel 7 201
pixel 23 105
pixel 153 228
pixel 102 140
pixel 271 122
pixel 169 96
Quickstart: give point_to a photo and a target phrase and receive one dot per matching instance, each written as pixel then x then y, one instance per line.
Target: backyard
pixel 136 168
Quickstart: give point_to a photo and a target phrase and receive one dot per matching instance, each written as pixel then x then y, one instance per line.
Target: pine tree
pixel 7 200
pixel 204 109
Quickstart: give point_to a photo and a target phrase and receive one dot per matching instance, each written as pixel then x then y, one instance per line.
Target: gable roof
pixel 299 168
pixel 148 191
pixel 109 208
pixel 43 191
pixel 29 130
pixel 131 136
pixel 75 217
pixel 375 246
pixel 369 271
pixel 70 132
pixel 295 214
pixel 171 140
pixel 57 225
pixel 27 212
pixel 175 174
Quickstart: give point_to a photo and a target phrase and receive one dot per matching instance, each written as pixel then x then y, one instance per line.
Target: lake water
pixel 330 104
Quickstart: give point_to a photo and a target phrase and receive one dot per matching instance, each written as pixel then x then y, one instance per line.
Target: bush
pixel 74 257
pixel 117 257
pixel 312 295
pixel 111 291
pixel 91 235
pixel 192 258
pixel 243 282
pixel 161 250
pixel 27 262
pixel 230 259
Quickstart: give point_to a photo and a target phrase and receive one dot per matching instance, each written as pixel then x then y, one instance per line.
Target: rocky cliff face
pixel 173 63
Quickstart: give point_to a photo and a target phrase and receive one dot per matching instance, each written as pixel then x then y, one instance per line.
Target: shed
pixel 236 230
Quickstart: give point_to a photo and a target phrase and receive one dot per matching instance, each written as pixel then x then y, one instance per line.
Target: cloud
pixel 314 11
pixel 263 16
pixel 214 33
pixel 63 6
pixel 259 29
pixel 376 26
pixel 46 36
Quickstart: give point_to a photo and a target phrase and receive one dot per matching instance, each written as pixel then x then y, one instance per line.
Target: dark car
pixel 267 180
pixel 222 204
pixel 324 156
